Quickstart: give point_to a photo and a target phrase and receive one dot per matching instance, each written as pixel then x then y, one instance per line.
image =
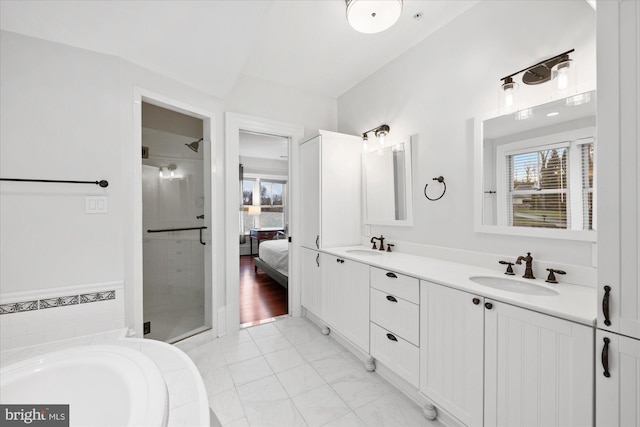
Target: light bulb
pixel 381 138
pixel 160 173
pixel 172 173
pixel 561 75
pixel 508 94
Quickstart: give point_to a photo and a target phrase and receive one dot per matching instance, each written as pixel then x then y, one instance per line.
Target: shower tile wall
pixel 173 292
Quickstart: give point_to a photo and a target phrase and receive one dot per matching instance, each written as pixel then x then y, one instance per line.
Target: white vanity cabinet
pixel 395 320
pixel 311 287
pixel 617 380
pixel 451 357
pixel 345 298
pixel 331 175
pixel 538 369
pixel 490 363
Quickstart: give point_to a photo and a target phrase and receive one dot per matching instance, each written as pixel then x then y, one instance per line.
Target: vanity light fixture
pixel 373 16
pixel 171 168
pixel 380 132
pixel 557 68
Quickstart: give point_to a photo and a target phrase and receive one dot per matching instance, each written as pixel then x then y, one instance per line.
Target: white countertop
pixel 573 302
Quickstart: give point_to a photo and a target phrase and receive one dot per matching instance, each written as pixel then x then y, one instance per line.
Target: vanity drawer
pixel 399 316
pixel 405 287
pixel 399 355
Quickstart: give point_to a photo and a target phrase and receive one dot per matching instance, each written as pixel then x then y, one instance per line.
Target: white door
pixel 310 193
pixel 617 380
pixel 451 352
pixel 310 281
pixel 618 159
pixel 345 287
pixel 538 369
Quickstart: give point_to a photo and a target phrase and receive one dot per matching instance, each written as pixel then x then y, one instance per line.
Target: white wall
pixel 259 98
pixel 435 90
pixel 68 113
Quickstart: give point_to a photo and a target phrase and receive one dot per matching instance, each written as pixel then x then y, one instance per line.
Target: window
pixel 546 183
pixel 269 195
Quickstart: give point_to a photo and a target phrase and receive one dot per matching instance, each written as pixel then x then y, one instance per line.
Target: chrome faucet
pixel 381 240
pixel 528 270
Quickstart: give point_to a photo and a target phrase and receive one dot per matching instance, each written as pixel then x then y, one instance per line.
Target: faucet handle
pixel 389 246
pixel 552 276
pixel 509 271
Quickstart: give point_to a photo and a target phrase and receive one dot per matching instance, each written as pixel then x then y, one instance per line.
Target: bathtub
pixel 104 385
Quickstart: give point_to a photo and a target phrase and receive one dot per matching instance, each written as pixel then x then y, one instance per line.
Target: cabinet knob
pixel 488 305
pixel 392 275
pixel 391 298
pixel 476 301
pixel 392 337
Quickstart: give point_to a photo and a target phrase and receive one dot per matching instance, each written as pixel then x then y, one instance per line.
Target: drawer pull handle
pixel 488 305
pixel 318 242
pixel 318 260
pixel 605 305
pixel 391 298
pixel 605 357
pixel 391 337
pixel 392 275
pixel 476 301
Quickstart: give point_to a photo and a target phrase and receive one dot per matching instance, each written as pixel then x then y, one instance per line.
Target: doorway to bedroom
pixel 263 227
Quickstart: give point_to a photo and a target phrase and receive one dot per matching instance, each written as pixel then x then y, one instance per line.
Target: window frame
pixel 257 180
pixel 571 140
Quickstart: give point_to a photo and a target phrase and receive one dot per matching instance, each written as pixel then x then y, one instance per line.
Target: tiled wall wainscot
pixel 32 318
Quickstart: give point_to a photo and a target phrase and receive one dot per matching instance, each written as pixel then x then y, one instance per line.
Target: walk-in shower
pixel 174 291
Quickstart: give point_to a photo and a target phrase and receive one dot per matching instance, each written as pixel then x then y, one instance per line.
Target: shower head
pixel 195 145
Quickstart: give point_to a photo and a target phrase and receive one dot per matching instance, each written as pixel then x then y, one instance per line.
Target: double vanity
pixel 475 346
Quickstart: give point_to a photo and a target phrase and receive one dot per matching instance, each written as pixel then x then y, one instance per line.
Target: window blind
pixel 540 187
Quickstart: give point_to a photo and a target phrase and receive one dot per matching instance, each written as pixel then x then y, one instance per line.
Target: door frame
pixel 234 123
pixel 133 242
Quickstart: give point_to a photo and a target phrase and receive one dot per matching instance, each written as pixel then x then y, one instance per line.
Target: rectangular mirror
pixel 535 170
pixel 387 185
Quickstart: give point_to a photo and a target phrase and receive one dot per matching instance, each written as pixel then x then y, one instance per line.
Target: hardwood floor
pixel 261 297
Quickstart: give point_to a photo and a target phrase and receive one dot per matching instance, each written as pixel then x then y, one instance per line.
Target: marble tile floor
pixel 287 374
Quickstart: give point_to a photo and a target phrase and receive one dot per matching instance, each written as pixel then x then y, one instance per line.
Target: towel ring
pixel 441 180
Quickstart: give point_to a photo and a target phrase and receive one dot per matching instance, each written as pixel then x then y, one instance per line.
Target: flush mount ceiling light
pixel 557 68
pixel 373 16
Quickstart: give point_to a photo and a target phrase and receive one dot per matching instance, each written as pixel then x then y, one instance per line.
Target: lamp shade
pixel 373 16
pixel 255 210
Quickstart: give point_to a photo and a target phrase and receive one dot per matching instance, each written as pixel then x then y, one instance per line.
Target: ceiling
pixel 305 44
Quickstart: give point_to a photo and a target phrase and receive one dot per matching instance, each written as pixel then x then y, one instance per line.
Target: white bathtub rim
pixel 149 397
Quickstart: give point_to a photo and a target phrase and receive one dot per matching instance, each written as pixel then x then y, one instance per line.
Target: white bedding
pixel 276 254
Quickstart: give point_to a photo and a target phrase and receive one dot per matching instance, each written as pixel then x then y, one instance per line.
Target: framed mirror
pixel 387 196
pixel 535 171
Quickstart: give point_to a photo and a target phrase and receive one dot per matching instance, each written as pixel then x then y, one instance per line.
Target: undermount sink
pixel 363 252
pixel 513 285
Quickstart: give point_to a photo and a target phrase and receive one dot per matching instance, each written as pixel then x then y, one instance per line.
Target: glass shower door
pixel 173 249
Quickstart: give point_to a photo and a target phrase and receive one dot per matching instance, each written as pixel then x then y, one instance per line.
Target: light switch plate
pixel 96 204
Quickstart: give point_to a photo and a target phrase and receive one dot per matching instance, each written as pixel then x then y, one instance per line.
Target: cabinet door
pixel 345 286
pixel 618 160
pixel 451 350
pixel 311 288
pixel 538 369
pixel 310 193
pixel 617 380
pixel 341 182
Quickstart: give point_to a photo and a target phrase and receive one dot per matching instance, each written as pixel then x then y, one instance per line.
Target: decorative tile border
pixel 18 307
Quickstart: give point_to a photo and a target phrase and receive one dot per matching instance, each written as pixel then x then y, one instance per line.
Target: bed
pixel 273 259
